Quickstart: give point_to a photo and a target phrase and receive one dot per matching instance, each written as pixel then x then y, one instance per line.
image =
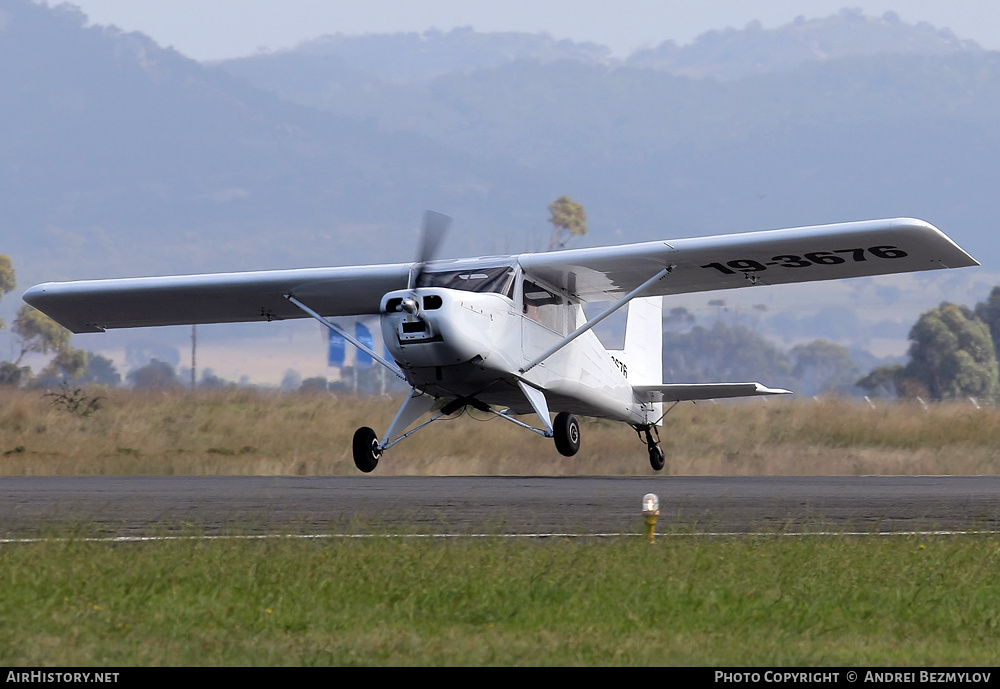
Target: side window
pixel 546 308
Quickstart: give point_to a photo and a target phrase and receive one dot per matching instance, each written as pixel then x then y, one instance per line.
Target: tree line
pixel 727 352
pixel 953 354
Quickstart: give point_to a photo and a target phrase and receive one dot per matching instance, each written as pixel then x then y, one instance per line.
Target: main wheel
pixel 656 458
pixel 567 434
pixel 366 450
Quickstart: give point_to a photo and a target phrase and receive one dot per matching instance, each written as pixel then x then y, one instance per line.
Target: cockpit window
pixel 497 279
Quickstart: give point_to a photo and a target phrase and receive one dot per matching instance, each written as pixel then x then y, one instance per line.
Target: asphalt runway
pixel 163 505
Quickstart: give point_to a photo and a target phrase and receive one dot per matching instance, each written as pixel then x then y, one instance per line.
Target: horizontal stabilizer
pixel 681 392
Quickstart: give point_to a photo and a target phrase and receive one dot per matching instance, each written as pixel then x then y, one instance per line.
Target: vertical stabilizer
pixel 643 353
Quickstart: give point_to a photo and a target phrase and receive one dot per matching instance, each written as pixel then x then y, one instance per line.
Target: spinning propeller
pixel 432 233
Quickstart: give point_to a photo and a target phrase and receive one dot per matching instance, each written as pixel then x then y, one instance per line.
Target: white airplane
pixel 508 335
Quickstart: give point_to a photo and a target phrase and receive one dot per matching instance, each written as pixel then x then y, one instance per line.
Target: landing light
pixel 650 511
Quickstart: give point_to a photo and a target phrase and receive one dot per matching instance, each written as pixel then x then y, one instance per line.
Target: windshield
pixel 497 279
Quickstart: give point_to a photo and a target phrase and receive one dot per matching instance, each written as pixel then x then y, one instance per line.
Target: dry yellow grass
pixel 254 433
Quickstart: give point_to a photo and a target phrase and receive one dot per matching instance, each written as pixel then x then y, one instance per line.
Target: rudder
pixel 643 353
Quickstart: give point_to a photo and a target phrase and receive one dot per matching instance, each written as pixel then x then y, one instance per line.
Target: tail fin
pixel 643 353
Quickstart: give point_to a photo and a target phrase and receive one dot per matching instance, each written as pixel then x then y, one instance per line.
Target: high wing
pixel 89 306
pixel 771 257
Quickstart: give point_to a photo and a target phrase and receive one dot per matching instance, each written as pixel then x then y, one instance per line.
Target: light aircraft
pixel 508 335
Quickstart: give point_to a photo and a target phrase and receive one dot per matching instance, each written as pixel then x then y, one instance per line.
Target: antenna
pixel 194 349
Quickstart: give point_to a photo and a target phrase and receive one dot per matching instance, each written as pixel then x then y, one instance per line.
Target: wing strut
pixel 597 319
pixel 541 407
pixel 347 336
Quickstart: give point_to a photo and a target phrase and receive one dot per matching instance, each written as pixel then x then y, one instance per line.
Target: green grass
pixel 686 600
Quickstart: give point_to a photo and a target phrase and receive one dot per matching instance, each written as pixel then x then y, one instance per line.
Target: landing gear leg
pixel 366 450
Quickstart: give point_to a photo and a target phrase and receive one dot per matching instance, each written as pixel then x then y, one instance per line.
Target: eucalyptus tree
pixel 951 355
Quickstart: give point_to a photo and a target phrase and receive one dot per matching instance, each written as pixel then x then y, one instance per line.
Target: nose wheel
pixel 366 450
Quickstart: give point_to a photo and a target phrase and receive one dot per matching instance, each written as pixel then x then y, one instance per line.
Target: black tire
pixel 366 450
pixel 567 434
pixel 656 459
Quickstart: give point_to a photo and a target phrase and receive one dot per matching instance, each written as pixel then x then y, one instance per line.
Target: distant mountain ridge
pixel 420 57
pixel 119 157
pixel 588 117
pixel 417 58
pixel 724 54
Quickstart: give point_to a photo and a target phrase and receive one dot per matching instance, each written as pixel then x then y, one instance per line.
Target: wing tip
pixel 764 390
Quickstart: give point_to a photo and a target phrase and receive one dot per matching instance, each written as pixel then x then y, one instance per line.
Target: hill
pixel 732 54
pixel 846 117
pixel 123 158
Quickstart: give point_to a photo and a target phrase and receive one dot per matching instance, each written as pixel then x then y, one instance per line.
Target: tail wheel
pixel 366 450
pixel 567 434
pixel 656 459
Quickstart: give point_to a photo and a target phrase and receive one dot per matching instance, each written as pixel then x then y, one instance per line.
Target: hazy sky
pixel 211 29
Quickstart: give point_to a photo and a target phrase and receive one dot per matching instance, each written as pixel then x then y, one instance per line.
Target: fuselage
pixel 469 331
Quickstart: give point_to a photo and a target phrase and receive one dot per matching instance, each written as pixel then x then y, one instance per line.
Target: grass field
pixel 843 601
pixel 247 432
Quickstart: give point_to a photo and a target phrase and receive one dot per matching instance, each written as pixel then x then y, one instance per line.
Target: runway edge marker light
pixel 650 511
